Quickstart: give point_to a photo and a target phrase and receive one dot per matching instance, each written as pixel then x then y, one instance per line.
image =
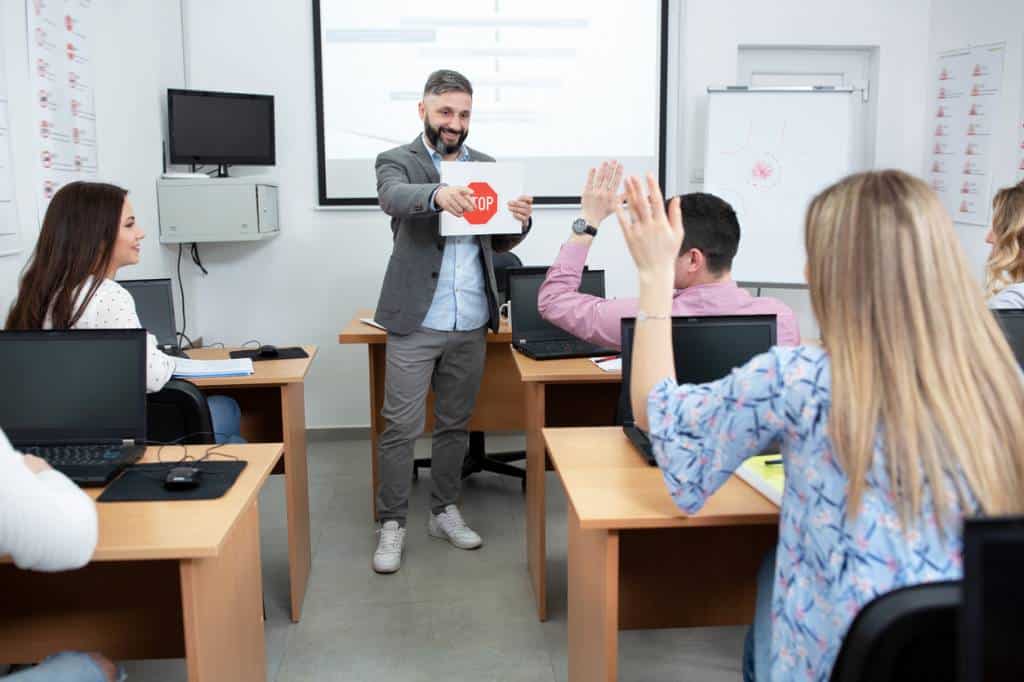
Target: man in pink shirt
pixel 704 284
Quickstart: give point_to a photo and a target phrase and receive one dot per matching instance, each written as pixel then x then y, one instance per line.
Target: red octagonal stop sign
pixel 486 201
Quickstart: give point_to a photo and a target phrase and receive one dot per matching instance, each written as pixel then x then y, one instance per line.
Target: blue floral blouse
pixel 827 566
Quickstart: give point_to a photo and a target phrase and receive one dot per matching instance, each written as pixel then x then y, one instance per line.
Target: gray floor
pixel 448 614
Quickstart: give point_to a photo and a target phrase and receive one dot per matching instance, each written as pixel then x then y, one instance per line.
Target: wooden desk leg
pixel 300 553
pixel 536 464
pixel 223 619
pixel 593 603
pixel 377 364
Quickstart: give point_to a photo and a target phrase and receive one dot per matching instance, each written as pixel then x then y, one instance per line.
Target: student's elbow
pixel 81 534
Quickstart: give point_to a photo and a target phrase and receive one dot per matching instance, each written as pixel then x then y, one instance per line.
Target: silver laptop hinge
pixel 128 442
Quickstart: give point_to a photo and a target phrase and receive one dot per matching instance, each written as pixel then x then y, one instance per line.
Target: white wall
pixel 304 285
pixel 131 70
pixel 957 24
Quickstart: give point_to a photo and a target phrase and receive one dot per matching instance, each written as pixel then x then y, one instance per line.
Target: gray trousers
pixel 451 363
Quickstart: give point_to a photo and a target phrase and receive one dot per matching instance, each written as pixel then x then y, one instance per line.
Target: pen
pixel 777 460
pixel 605 359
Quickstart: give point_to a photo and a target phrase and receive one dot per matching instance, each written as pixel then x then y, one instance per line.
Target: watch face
pixel 579 226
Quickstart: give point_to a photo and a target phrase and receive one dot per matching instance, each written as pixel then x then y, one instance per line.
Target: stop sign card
pixel 493 185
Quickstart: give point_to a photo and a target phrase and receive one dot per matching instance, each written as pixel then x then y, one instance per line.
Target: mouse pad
pixel 282 354
pixel 145 483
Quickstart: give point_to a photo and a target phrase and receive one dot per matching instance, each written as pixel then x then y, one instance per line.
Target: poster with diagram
pixel 61 82
pixel 9 239
pixel 968 91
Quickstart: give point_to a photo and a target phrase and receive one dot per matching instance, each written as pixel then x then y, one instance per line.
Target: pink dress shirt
pixel 598 320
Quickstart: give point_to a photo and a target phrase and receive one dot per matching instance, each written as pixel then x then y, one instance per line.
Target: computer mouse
pixel 183 478
pixel 268 352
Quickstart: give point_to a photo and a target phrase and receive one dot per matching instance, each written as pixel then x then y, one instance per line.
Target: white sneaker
pixel 448 525
pixel 388 556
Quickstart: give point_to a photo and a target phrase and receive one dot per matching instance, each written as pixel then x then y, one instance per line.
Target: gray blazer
pixel 406 178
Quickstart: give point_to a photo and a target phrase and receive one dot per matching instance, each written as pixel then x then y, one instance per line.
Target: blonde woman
pixel 907 419
pixel 1005 266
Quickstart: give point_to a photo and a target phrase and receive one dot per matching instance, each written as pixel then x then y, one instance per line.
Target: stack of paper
pixel 767 479
pixel 609 364
pixel 187 368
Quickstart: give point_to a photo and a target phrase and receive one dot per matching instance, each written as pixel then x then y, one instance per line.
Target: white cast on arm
pixel 46 522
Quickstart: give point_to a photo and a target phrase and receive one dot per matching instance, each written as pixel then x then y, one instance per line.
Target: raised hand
pixel 653 237
pixel 600 196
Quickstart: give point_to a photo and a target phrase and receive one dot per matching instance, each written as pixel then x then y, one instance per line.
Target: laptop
pixel 535 337
pixel 705 349
pixel 154 302
pixel 993 600
pixel 1012 322
pixel 80 399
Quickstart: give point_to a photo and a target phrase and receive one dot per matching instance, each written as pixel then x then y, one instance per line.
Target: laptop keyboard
pixel 68 455
pixel 559 347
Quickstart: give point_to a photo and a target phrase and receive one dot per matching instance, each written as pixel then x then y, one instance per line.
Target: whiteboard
pixel 768 153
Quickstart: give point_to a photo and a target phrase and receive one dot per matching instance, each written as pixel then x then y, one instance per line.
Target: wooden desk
pixel 274 411
pixel 167 580
pixel 499 405
pixel 637 561
pixel 556 393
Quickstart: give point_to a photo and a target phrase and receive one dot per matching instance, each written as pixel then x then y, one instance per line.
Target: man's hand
pixel 454 199
pixel 600 196
pixel 36 464
pixel 521 208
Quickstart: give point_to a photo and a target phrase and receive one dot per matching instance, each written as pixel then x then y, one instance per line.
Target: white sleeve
pixel 46 522
pixel 115 309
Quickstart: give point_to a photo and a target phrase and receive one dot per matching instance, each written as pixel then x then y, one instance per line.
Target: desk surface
pixel 360 332
pixel 569 370
pixel 265 372
pixel 182 529
pixel 610 486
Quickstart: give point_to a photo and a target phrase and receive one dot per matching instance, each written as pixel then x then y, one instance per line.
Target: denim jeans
pixel 68 666
pixel 757 649
pixel 226 416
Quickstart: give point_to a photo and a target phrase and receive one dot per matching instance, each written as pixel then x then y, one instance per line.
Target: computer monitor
pixel 704 348
pixel 73 386
pixel 220 128
pixel 993 600
pixel 524 285
pixel 1012 322
pixel 154 303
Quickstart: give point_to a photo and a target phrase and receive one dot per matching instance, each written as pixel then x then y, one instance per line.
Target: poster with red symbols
pixel 61 80
pixel 9 240
pixel 967 97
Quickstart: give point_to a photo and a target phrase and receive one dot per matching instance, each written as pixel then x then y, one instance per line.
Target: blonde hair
pixel 916 357
pixel 1005 264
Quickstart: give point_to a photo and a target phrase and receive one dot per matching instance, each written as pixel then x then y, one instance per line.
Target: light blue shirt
pixel 460 300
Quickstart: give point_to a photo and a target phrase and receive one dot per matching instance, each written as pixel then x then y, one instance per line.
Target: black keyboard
pixel 564 349
pixel 69 455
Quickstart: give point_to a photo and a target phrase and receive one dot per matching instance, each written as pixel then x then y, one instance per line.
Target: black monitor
pixel 524 285
pixel 705 348
pixel 154 304
pixel 993 600
pixel 73 386
pixel 1012 322
pixel 220 128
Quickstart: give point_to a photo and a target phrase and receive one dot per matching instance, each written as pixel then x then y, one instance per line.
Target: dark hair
pixel 446 80
pixel 76 241
pixel 712 228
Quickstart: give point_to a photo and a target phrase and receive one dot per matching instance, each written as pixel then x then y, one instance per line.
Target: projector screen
pixel 557 86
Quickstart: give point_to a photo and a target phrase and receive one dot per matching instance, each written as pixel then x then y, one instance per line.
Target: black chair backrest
pixel 502 262
pixel 908 634
pixel 178 413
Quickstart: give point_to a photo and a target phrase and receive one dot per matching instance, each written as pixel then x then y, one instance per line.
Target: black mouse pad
pixel 282 354
pixel 145 482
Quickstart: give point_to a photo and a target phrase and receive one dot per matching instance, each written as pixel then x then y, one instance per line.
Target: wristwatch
pixel 580 226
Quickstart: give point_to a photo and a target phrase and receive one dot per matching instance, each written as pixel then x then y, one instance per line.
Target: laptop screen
pixel 524 283
pixel 705 348
pixel 73 386
pixel 1012 322
pixel 993 600
pixel 155 306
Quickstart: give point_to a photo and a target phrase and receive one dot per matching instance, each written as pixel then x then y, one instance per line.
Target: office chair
pixel 477 458
pixel 178 413
pixel 908 634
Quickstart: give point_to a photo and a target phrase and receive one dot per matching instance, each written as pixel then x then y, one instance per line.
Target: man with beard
pixel 437 301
